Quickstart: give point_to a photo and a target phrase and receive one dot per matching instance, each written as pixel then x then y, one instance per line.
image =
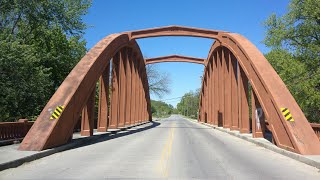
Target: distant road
pixel 173 148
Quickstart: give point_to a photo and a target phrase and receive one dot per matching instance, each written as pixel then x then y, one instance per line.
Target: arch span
pixel 76 90
pixel 233 63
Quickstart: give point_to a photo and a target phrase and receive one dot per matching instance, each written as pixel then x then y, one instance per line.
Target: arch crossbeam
pixel 175 31
pixel 175 58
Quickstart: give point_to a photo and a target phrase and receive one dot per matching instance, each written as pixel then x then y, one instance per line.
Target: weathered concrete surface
pixel 312 160
pixel 175 148
pixel 11 157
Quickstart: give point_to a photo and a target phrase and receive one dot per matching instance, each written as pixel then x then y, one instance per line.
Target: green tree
pixel 161 109
pixel 24 82
pixel 189 104
pixel 41 41
pixel 295 55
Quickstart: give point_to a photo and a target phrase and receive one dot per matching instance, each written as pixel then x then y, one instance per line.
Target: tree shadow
pixel 97 138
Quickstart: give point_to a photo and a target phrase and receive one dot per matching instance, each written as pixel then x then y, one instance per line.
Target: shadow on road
pixel 108 136
pixel 181 127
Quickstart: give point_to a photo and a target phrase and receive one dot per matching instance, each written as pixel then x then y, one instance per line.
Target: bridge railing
pixel 10 131
pixel 316 128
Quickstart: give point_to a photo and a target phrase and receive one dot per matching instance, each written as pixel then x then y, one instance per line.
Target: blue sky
pixel 245 17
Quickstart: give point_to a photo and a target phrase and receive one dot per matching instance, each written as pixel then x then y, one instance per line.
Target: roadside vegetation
pixel 40 42
pixel 159 85
pixel 161 109
pixel 294 39
pixel 189 104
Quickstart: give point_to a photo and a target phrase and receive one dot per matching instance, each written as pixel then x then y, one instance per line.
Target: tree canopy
pixel 159 81
pixel 294 39
pixel 161 109
pixel 40 42
pixel 189 104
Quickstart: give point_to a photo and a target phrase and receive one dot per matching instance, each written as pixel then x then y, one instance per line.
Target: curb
pixel 10 141
pixel 78 142
pixel 271 147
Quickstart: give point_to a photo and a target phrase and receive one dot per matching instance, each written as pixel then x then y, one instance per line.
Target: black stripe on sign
pixel 287 114
pixel 289 119
pixel 59 109
pixel 284 109
pixel 56 114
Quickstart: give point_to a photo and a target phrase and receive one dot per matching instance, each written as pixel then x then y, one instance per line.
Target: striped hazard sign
pixel 56 113
pixel 287 115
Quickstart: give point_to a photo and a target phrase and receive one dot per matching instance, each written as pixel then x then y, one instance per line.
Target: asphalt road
pixel 172 148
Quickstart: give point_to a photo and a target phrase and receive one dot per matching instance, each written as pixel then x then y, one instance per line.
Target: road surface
pixel 172 148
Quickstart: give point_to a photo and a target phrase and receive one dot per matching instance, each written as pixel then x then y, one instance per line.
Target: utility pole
pixel 192 105
pixel 183 108
pixel 187 108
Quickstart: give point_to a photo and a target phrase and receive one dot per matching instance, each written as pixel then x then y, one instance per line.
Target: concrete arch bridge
pixel 236 76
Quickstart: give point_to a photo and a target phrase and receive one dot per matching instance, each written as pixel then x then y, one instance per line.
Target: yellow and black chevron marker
pixel 56 113
pixel 287 115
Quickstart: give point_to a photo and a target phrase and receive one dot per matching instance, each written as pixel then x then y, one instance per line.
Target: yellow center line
pixel 166 153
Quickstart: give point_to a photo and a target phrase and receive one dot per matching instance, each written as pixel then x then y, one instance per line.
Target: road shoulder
pixel 312 160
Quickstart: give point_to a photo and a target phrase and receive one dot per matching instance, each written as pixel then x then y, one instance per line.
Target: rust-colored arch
pixel 267 85
pixel 175 31
pixel 73 93
pixel 175 58
pixel 271 92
